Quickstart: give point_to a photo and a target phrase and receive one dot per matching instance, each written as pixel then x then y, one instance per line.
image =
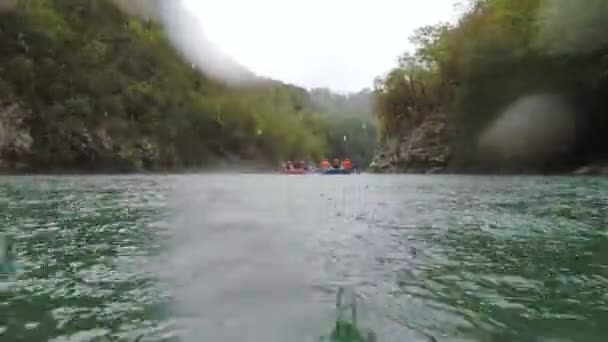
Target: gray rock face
pixel 96 147
pixel 15 138
pixel 425 148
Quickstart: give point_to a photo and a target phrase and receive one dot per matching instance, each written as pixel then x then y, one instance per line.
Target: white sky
pixel 339 44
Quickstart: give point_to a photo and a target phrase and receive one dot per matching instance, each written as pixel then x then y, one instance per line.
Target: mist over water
pixel 211 232
pixel 187 34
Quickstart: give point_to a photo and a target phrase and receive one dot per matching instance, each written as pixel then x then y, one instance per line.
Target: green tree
pixel 497 52
pixel 108 91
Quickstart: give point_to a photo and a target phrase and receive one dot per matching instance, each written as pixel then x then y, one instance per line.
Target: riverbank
pixel 88 87
pixel 429 148
pixel 224 166
pixel 516 98
pixel 424 148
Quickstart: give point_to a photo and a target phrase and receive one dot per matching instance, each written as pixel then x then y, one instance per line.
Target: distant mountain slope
pixel 187 34
pixel 353 131
pixel 351 105
pixel 84 86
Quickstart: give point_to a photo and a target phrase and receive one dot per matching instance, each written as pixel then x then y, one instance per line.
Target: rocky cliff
pixel 422 148
pixel 15 138
pixel 526 92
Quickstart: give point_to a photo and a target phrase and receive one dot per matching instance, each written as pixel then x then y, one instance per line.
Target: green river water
pixel 260 257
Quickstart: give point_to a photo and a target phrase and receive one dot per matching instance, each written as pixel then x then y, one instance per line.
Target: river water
pixel 260 257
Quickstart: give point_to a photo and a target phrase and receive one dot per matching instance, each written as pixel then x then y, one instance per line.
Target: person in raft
pixel 346 164
pixel 324 164
pixel 336 163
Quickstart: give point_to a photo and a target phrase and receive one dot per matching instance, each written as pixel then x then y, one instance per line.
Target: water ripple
pixel 260 257
pixel 82 243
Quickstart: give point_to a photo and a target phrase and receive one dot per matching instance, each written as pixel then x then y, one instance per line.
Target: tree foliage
pixel 497 51
pixel 350 130
pixel 108 91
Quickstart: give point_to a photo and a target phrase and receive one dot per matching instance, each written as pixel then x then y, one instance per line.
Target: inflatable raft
pixel 338 172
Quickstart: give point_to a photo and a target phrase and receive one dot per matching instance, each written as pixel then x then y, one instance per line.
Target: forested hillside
pixel 352 131
pixel 513 86
pixel 86 87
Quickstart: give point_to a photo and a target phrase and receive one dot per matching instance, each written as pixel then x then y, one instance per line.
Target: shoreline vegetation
pixel 511 87
pixel 86 87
